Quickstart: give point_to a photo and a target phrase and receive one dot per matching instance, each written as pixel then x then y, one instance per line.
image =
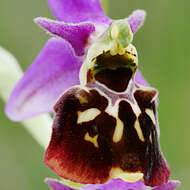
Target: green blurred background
pixel 163 46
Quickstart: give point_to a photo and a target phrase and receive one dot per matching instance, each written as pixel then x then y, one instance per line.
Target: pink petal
pixel 57 185
pixel 75 11
pixel 76 34
pixel 116 184
pixel 54 70
pixel 139 79
pixel 136 20
pixel 171 185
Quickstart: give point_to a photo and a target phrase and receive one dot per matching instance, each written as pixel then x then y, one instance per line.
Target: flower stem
pixel 38 127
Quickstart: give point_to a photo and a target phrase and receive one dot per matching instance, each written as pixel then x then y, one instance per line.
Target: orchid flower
pixel 105 125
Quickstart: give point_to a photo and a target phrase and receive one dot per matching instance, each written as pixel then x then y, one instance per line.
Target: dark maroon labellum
pixel 97 130
pixel 108 128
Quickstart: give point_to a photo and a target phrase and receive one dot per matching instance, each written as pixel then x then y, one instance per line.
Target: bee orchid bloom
pixel 106 124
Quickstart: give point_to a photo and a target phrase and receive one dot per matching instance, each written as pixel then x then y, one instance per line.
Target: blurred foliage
pixel 163 45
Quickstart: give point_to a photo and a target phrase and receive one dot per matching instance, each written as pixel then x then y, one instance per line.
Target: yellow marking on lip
pixel 139 131
pixel 87 115
pixel 118 133
pixel 126 176
pixel 93 140
pixel 136 109
pixel 150 113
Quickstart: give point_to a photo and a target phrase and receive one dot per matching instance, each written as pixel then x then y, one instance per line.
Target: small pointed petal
pixel 136 20
pixel 116 184
pixel 57 185
pixel 171 185
pixel 76 34
pixel 139 79
pixel 55 69
pixel 76 11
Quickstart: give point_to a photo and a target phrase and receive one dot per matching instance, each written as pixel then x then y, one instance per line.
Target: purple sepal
pixel 139 79
pixel 136 20
pixel 171 185
pixel 56 185
pixel 54 70
pixel 76 34
pixel 76 11
pixel 116 184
